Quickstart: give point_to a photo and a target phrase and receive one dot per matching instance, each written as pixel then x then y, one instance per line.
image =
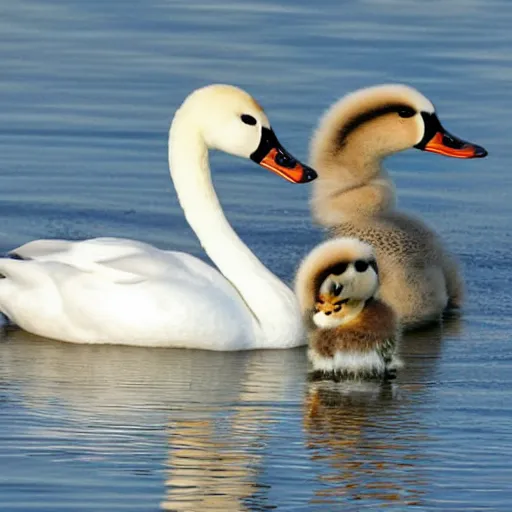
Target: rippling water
pixel 87 90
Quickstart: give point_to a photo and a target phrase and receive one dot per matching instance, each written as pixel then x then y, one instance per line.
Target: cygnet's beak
pixel 271 155
pixel 438 140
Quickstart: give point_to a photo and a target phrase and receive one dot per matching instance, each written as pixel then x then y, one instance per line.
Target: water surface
pixel 86 95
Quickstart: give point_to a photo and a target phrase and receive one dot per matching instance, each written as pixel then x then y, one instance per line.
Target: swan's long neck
pixel 272 304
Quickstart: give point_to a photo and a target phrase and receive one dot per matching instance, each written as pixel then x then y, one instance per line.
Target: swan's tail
pixel 19 271
pixel 318 264
pixel 10 270
pixel 16 278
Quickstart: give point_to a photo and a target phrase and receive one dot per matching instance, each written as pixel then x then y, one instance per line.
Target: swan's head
pixel 343 268
pixel 230 120
pixel 381 120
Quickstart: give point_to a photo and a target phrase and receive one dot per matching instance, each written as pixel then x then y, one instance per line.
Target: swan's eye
pixel 247 119
pixel 406 112
pixel 361 266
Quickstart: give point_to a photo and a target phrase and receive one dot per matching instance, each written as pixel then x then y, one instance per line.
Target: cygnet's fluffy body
pixel 352 334
pixel 354 196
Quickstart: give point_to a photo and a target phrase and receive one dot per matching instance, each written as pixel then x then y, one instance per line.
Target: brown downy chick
pixel 352 333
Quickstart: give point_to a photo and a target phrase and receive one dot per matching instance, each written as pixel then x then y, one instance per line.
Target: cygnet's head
pixel 229 119
pixel 344 267
pixel 378 121
pixel 351 278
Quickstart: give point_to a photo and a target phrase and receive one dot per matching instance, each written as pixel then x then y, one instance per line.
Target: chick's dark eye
pixel 406 112
pixel 247 119
pixel 339 268
pixel 361 266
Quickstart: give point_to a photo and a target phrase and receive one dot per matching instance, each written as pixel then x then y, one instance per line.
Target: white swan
pixel 111 290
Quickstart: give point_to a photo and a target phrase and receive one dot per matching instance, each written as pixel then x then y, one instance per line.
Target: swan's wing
pixel 83 251
pixel 40 249
pixel 140 266
pixel 121 291
pixel 109 305
pixel 115 259
pixel 162 263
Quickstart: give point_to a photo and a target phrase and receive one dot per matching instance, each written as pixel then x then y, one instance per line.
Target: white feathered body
pixel 112 290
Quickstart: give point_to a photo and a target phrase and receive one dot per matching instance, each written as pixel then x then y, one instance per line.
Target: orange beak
pixel 295 174
pixel 438 140
pixel 438 144
pixel 272 156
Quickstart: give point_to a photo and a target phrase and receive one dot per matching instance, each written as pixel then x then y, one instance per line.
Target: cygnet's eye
pixel 247 119
pixel 361 266
pixel 339 268
pixel 406 112
pixel 337 289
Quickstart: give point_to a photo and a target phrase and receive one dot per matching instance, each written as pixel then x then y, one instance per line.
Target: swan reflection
pixel 217 431
pixel 202 420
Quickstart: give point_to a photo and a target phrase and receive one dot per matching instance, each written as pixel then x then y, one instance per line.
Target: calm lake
pixel 87 91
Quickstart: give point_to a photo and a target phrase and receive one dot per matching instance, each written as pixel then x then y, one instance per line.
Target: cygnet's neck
pixel 351 310
pixel 352 182
pixel 349 186
pixel 275 310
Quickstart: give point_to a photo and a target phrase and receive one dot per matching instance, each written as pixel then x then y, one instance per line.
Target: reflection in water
pixel 192 430
pixel 422 350
pixel 102 404
pixel 364 433
pixel 215 460
pixel 221 412
pixel 368 444
pixel 207 471
pixel 214 463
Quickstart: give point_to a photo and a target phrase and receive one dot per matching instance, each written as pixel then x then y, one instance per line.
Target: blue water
pixel 87 91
